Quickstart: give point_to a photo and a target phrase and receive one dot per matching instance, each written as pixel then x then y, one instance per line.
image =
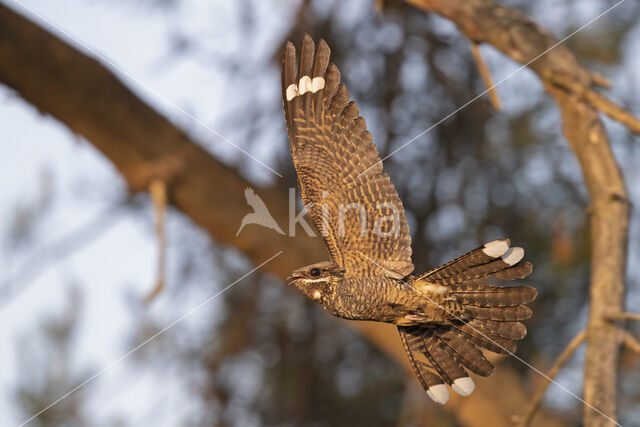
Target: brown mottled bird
pixel 444 316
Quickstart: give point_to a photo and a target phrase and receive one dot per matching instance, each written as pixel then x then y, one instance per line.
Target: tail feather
pixel 504 314
pixel 430 379
pixel 443 358
pixel 490 320
pixel 478 256
pixel 494 343
pixel 518 271
pixel 493 296
pixel 496 266
pixel 510 330
pixel 467 353
pixel 423 372
pixel 443 363
pixel 492 259
pixel 437 390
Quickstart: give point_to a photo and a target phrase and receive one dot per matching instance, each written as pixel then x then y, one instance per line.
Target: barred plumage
pixel 489 316
pixel 444 316
pixel 337 163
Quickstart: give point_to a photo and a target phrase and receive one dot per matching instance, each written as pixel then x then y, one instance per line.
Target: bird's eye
pixel 314 272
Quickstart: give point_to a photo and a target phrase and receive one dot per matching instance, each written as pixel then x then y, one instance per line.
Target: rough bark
pixel 484 21
pixel 81 93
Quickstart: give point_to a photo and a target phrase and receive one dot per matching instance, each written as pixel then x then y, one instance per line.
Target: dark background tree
pixel 267 356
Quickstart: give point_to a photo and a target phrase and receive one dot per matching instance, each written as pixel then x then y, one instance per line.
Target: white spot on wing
pixel 316 84
pixel 463 386
pixel 304 85
pixel 438 393
pixel 513 256
pixel 496 248
pixel 292 92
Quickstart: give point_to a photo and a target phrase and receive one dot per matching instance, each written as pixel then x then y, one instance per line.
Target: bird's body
pixel 380 301
pixel 444 315
pixel 384 300
pixel 413 300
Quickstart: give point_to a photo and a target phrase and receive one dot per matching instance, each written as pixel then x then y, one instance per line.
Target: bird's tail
pixel 490 319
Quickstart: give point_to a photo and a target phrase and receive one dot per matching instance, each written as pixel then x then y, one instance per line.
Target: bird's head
pixel 317 281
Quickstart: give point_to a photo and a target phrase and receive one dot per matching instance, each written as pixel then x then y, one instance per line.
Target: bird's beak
pixel 291 278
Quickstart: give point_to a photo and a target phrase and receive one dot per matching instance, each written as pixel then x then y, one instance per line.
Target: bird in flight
pixel 444 316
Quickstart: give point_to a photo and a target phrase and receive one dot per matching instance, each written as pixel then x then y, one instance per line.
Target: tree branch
pixel 158 191
pixel 598 101
pixel 622 316
pixel 526 42
pixel 631 342
pixel 553 372
pixel 486 75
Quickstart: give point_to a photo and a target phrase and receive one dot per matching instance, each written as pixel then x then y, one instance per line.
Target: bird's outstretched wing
pixel 350 200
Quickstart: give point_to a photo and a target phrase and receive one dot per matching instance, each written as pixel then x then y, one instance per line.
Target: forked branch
pixel 597 100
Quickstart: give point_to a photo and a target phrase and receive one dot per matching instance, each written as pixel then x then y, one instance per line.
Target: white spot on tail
pixel 439 393
pixel 496 248
pixel 292 92
pixel 463 386
pixel 513 256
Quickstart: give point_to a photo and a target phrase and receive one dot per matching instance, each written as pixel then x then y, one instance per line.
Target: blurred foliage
pixel 269 357
pixel 46 367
